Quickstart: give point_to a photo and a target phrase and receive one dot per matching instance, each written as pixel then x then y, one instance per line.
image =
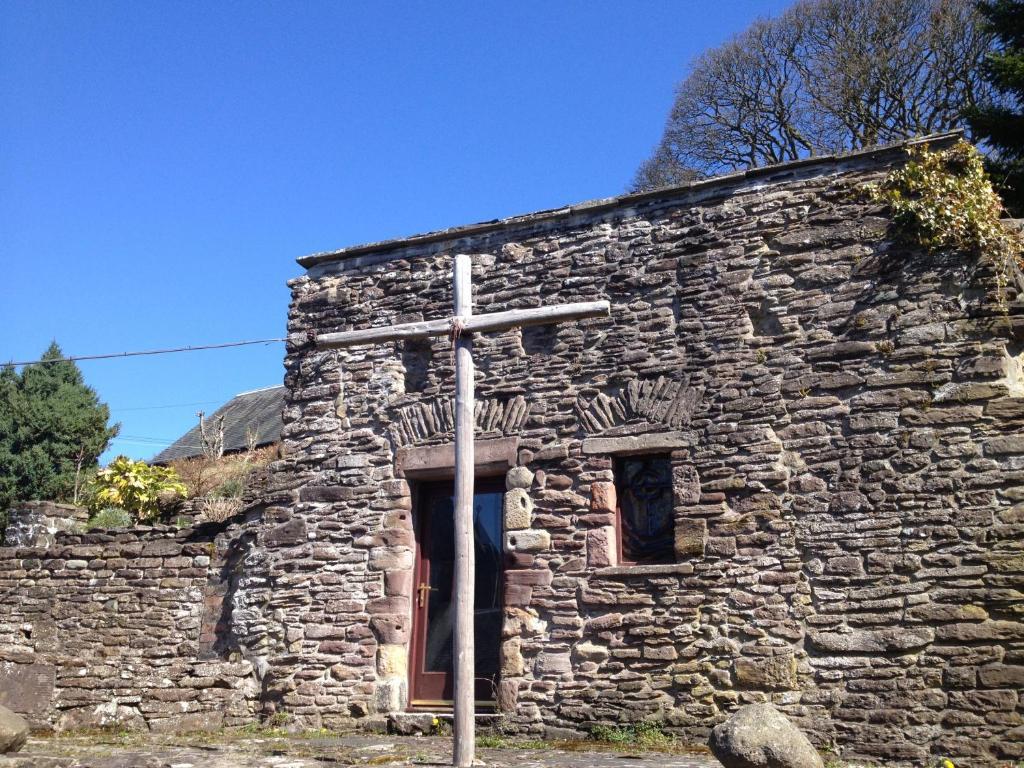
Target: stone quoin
pixel 785 469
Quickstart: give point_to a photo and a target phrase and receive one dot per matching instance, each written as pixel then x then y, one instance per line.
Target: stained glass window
pixel 646 518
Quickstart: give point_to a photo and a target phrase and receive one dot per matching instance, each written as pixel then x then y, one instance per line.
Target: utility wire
pixel 162 407
pixel 76 358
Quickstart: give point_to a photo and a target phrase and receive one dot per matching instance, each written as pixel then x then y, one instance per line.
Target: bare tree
pixel 825 76
pixel 211 441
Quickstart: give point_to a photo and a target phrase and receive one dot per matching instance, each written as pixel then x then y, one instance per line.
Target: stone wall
pixel 137 629
pixel 36 523
pixel 842 414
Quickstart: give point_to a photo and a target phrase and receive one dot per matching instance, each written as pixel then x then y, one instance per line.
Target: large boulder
pixel 13 731
pixel 759 736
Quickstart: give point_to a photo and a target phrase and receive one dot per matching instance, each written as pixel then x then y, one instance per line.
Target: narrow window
pixel 645 515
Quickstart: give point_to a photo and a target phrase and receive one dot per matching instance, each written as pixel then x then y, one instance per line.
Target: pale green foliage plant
pixel 110 517
pixel 944 200
pixel 136 487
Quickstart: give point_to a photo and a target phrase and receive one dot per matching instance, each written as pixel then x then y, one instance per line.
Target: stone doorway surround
pixel 391 616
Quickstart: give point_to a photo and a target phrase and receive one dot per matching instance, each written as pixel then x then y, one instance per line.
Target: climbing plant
pixel 944 199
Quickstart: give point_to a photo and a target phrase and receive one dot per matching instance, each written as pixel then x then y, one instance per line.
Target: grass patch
pixel 645 735
pixel 496 741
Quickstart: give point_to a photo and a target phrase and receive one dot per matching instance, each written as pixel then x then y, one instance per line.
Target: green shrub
pixel 136 487
pixel 110 517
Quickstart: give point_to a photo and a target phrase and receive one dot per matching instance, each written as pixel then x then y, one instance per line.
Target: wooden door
pixel 433 606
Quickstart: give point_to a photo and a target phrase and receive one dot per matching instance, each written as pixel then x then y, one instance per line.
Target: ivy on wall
pixel 944 199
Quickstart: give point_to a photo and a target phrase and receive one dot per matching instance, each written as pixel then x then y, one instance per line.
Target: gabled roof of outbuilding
pixel 258 410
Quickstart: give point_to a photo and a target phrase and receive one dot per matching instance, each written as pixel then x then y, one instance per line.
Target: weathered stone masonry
pixel 137 629
pixel 843 418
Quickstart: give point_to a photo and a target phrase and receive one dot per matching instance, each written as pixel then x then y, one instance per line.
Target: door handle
pixel 423 589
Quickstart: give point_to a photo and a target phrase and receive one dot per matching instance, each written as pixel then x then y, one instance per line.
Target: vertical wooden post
pixel 465 737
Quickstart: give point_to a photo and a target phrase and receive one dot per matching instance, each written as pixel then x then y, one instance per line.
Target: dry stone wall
pixel 843 418
pixel 141 629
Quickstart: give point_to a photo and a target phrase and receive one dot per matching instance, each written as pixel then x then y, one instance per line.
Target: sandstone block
pixel 527 541
pixel 602 549
pixel 518 510
pixel 392 661
pixel 512 664
pixel 390 629
pixel 603 497
pixel 759 736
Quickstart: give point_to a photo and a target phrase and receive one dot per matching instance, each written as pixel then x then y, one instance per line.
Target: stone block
pixel 398 583
pixel 511 656
pixel 519 477
pixel 768 673
pixel 287 534
pixel 518 510
pixel 871 641
pixel 527 541
pixel 436 461
pixel 27 688
pixel 602 548
pixel 392 661
pixel 603 497
pixel 553 663
pixel 649 443
pixel 586 651
pixel 1002 676
pixel 947 612
pixel 389 695
pixel 691 536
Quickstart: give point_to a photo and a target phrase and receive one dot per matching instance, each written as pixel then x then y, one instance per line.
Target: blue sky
pixel 163 164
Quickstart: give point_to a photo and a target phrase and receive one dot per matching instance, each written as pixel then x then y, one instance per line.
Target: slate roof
pixel 259 409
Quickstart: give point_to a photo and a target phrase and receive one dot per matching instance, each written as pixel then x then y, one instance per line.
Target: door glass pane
pixel 487 607
pixel 440 610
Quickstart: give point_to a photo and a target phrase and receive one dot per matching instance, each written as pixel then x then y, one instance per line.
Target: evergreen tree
pixel 53 429
pixel 1001 125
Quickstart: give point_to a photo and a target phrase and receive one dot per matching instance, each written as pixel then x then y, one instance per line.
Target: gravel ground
pixel 261 751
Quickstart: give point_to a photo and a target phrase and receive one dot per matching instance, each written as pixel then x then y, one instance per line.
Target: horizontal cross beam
pixel 494 321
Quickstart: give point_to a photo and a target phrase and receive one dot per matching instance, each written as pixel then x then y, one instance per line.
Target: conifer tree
pixel 53 429
pixel 1001 125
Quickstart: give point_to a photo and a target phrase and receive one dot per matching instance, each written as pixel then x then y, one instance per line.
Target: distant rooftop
pixel 258 410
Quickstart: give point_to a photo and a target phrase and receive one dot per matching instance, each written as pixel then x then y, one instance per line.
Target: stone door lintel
pixel 437 462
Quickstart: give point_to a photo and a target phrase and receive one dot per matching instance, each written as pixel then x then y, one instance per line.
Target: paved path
pixel 320 752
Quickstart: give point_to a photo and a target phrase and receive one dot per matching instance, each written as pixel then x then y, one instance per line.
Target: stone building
pixel 787 467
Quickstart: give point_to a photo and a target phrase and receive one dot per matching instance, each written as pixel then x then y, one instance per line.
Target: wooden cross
pixel 460 326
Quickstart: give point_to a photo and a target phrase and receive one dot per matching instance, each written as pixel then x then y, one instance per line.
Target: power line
pixel 161 407
pixel 196 348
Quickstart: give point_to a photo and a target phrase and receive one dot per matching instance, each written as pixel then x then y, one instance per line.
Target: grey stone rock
pixel 13 731
pixel 759 736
